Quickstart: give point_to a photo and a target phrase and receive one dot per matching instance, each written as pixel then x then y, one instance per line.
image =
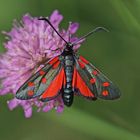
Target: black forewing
pixel 86 76
pixel 39 82
pixel 103 87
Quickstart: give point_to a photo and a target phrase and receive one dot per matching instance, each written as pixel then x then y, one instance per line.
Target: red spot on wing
pixel 95 72
pixel 43 80
pixel 80 84
pixel 55 86
pixel 56 64
pixel 106 84
pixel 41 72
pixel 84 60
pixel 81 64
pixel 30 93
pixel 105 93
pixel 30 84
pixel 53 60
pixel 92 81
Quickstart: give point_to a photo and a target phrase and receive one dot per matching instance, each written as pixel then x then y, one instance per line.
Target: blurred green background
pixel 117 54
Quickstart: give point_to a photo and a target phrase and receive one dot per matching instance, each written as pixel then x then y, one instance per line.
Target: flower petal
pixel 56 18
pixel 13 103
pixel 60 109
pixel 73 28
pixel 48 106
pixel 28 112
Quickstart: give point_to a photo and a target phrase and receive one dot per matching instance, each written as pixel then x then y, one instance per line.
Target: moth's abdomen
pixel 67 94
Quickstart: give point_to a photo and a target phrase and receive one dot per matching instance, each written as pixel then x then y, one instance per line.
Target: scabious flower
pixel 30 43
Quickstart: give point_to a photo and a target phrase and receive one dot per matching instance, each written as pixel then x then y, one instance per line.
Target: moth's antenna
pixel 69 34
pixel 47 20
pixel 90 33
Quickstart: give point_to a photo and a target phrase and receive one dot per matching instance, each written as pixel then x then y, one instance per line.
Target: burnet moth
pixel 67 75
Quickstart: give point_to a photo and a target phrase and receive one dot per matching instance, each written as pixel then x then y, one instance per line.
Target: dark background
pixel 116 54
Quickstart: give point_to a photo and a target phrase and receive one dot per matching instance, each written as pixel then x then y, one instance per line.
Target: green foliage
pixel 116 53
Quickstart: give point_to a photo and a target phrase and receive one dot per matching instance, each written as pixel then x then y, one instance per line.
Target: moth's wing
pixel 98 83
pixel 37 84
pixel 55 86
pixel 80 86
pixel 81 82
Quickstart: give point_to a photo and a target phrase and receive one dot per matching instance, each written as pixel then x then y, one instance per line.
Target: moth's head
pixel 68 46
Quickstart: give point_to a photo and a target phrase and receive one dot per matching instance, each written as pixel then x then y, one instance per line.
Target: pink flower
pixel 29 45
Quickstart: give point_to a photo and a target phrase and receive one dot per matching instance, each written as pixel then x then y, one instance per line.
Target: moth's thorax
pixel 68 49
pixel 69 60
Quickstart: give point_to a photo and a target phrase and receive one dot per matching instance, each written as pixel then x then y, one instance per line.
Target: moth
pixel 67 75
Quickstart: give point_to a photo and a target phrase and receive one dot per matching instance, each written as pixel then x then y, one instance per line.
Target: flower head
pixel 30 43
